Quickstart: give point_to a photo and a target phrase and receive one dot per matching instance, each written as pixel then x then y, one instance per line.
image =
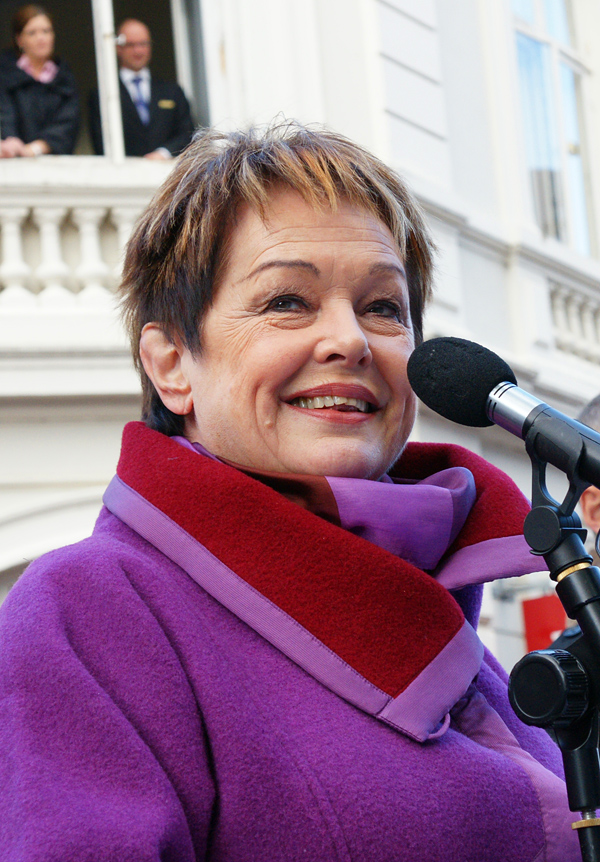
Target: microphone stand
pixel 560 689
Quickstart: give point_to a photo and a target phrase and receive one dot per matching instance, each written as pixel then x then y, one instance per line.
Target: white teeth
pixel 321 401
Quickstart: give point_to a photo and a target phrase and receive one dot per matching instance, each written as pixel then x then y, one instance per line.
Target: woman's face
pixel 304 349
pixel 36 39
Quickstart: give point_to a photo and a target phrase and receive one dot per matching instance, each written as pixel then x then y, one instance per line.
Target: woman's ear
pixel 162 363
pixel 590 508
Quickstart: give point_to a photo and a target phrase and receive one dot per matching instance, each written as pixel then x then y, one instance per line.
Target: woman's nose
pixel 343 340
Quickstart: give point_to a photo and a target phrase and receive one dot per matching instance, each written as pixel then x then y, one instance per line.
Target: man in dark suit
pixel 156 114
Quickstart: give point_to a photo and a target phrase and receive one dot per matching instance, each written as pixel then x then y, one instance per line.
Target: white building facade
pixel 490 109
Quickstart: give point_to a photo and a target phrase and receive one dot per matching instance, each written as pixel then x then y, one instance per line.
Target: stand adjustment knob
pixel 549 687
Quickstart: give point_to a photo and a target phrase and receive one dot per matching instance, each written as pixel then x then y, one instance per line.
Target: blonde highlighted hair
pixel 173 258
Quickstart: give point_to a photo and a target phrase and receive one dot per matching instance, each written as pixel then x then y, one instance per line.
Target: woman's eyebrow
pixel 382 268
pixel 294 264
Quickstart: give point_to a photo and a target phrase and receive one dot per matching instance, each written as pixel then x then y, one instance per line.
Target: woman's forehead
pixel 37 21
pixel 289 221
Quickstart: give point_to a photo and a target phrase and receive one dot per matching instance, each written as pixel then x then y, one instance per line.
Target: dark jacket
pixel 170 123
pixel 32 111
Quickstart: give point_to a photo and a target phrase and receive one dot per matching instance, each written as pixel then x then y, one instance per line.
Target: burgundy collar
pixel 385 617
pixel 417 520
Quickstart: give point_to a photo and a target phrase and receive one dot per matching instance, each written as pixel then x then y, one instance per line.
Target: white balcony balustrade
pixel 56 256
pixel 576 321
pixel 64 223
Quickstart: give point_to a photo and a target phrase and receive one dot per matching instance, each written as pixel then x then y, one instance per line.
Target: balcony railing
pixel 64 222
pixel 576 321
pixel 62 255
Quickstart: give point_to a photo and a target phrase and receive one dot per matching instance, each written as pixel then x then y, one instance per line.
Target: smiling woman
pixel 267 648
pixel 311 305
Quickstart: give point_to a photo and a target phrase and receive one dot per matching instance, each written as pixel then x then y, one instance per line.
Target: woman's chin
pixel 345 461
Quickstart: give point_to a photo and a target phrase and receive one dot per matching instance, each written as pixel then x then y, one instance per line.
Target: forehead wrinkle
pixel 291 232
pixel 382 268
pixel 283 264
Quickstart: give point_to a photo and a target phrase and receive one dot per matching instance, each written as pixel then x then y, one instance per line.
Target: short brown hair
pixel 172 258
pixel 23 16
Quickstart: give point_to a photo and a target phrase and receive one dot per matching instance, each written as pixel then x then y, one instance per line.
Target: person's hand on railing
pixel 11 148
pixel 36 148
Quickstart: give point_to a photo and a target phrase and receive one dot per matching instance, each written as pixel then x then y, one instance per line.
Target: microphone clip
pixel 553 530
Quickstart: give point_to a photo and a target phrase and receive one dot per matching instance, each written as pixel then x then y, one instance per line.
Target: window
pixel 550 77
pixel 177 30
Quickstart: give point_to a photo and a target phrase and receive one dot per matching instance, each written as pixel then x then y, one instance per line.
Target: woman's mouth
pixel 338 402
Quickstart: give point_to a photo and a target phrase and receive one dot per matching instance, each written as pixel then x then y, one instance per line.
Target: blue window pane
pixel 524 10
pixel 541 137
pixel 575 176
pixel 539 115
pixel 568 86
pixel 579 221
pixel 557 20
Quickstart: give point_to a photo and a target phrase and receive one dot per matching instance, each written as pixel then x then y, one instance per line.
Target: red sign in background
pixel 545 619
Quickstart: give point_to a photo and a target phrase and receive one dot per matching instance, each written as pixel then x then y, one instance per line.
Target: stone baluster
pixel 124 219
pixel 15 274
pixel 560 318
pixel 92 272
pixel 52 274
pixel 592 347
pixel 575 324
pixel 596 333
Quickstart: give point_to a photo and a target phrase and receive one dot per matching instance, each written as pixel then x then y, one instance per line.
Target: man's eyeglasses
pixel 122 42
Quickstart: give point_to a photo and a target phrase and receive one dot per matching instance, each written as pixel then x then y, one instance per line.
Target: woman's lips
pixel 337 402
pixel 347 403
pixel 353 392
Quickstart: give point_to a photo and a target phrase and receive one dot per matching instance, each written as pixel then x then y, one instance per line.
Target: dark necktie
pixel 140 103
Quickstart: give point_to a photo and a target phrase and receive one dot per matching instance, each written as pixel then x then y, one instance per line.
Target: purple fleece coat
pixel 142 720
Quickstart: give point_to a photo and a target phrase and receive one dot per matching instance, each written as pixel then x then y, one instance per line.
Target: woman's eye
pixel 286 303
pixel 386 308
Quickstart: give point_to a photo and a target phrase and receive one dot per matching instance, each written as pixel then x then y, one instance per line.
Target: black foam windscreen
pixel 454 377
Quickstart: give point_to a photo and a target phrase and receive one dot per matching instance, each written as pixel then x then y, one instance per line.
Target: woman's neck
pixel 44 71
pixel 36 67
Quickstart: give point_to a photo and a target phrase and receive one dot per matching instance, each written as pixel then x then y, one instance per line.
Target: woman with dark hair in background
pixel 39 106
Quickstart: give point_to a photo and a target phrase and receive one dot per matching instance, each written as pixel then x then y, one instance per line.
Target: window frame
pixel 561 53
pixel 108 70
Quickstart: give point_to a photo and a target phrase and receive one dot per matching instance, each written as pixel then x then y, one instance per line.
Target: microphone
pixel 469 384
